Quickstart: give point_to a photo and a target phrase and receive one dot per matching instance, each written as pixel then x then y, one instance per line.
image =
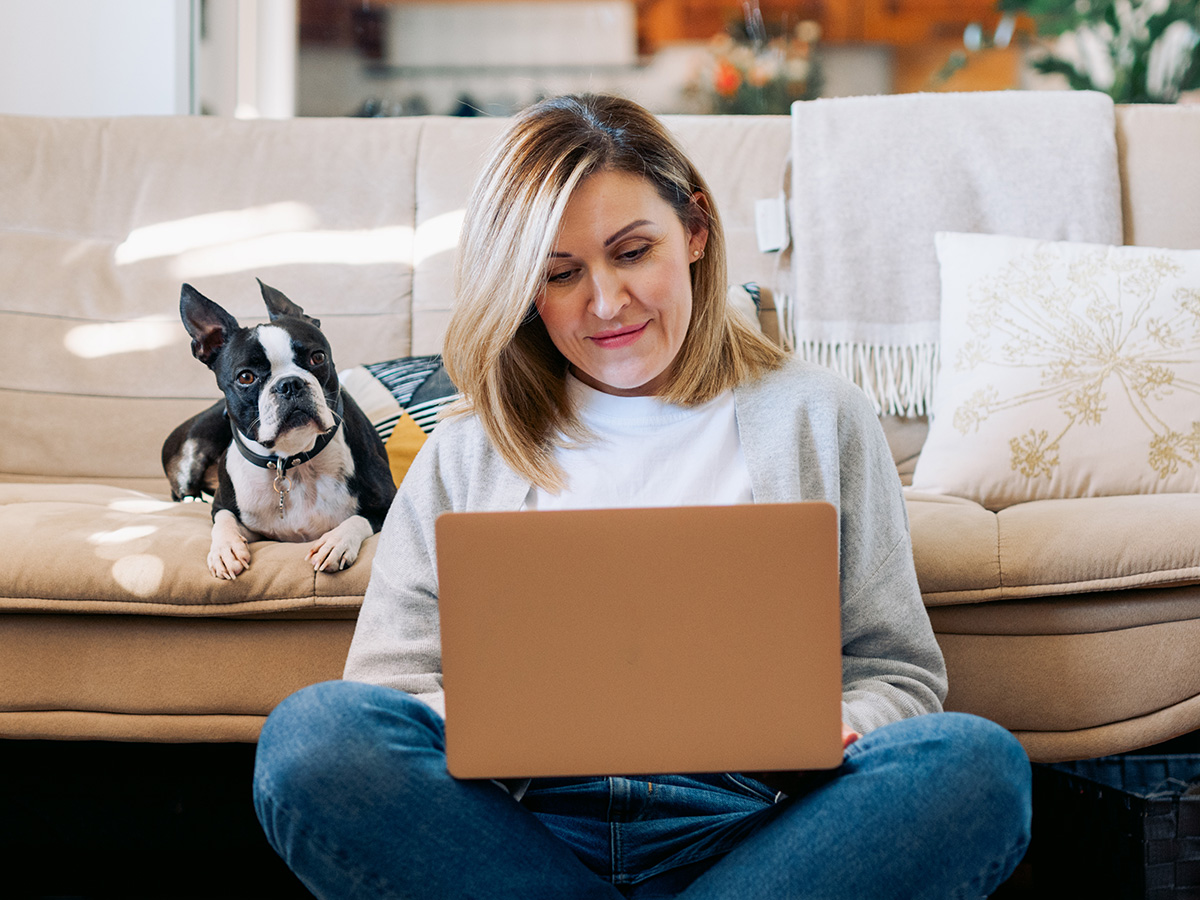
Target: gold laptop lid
pixel 637 641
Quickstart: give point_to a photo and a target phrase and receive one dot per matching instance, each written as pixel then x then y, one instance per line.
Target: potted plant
pixel 1137 51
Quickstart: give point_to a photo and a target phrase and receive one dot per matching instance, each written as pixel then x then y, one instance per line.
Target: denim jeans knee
pixel 935 807
pixel 983 778
pixel 352 791
pixel 336 726
pixel 992 769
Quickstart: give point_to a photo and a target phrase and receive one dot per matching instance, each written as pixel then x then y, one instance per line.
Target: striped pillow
pixel 403 398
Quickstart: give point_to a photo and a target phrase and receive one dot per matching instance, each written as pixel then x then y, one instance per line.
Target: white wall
pixel 96 57
pixel 247 59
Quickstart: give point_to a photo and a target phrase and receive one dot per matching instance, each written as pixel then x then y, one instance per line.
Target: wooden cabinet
pixel 925 33
pixel 898 23
pixel 922 33
pixel 662 22
pixel 909 22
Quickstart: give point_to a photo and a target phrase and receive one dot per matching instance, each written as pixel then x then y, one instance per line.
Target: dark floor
pixel 114 821
pixel 109 821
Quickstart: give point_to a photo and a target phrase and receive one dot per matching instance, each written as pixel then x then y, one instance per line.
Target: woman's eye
pixel 246 377
pixel 634 253
pixel 560 277
pixel 317 358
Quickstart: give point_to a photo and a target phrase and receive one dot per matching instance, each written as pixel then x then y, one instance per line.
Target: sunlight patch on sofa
pixel 439 235
pixel 213 229
pixel 111 338
pixel 389 245
pixel 141 574
pixel 147 505
pixel 122 535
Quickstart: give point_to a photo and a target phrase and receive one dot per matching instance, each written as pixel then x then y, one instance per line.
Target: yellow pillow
pixel 406 439
pixel 403 399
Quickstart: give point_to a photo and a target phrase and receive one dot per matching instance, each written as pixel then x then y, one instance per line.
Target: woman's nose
pixel 609 294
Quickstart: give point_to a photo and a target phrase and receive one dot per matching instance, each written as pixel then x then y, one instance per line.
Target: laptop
pixel 636 641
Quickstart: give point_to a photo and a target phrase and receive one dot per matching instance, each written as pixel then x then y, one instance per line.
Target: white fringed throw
pixel 874 178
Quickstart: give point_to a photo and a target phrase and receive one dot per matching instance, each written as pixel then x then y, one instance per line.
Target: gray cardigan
pixel 806 433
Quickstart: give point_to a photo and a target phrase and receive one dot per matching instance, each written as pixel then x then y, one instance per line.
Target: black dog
pixel 306 464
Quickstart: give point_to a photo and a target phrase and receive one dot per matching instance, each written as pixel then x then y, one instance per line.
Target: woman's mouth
pixel 618 337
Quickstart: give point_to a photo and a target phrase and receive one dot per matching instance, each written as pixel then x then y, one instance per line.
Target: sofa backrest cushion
pixel 1158 146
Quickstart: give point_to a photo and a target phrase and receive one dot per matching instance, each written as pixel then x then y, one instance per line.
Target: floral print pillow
pixel 1067 370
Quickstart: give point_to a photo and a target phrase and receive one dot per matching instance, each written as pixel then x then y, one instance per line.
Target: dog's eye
pixel 246 377
pixel 317 358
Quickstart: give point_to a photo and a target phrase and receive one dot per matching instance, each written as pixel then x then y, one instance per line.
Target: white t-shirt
pixel 649 453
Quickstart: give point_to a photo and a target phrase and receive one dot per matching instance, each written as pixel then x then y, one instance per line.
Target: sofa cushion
pixel 967 554
pixel 1159 178
pixel 1068 370
pixel 93 548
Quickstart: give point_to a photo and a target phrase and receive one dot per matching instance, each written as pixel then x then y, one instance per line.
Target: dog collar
pixel 282 463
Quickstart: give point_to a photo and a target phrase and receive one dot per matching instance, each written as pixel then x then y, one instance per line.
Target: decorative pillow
pixel 1068 370
pixel 403 399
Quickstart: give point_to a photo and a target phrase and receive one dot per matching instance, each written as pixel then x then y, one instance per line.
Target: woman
pixel 601 367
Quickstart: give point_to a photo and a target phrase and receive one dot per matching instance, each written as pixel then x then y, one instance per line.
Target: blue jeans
pixel 351 787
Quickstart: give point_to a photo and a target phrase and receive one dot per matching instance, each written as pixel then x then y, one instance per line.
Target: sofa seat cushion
pixel 967 554
pixel 86 548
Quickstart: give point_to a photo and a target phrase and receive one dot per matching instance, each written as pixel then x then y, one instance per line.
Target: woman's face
pixel 618 296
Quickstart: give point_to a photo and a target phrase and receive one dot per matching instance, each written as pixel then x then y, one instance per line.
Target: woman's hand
pixel 794 783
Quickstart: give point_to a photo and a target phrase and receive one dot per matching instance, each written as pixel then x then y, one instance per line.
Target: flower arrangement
pixel 756 72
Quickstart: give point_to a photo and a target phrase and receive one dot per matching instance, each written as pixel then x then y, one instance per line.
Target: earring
pixel 697 253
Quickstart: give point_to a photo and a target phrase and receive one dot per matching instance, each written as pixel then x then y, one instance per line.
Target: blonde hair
pixel 497 350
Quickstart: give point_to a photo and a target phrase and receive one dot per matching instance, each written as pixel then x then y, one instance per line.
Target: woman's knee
pixel 330 735
pixel 984 749
pixel 955 768
pixel 985 770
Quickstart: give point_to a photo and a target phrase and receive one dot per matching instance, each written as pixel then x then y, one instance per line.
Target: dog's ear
pixel 279 305
pixel 207 323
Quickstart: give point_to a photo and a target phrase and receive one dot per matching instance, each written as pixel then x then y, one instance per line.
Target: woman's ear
pixel 698 227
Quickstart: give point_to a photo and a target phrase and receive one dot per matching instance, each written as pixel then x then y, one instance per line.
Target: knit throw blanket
pixel 874 178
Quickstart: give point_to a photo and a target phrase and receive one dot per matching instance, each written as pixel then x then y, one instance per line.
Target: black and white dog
pixel 295 458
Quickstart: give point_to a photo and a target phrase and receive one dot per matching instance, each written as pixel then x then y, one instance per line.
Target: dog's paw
pixel 337 548
pixel 229 553
pixel 229 559
pixel 332 554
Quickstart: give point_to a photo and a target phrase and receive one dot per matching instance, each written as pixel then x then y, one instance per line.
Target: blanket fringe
pixel 898 380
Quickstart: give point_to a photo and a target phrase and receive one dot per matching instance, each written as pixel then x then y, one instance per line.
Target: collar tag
pixel 282 484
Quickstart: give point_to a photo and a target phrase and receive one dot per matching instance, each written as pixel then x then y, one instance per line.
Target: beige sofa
pixel 1075 623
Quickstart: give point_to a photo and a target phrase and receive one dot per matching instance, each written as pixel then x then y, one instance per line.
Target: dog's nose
pixel 290 387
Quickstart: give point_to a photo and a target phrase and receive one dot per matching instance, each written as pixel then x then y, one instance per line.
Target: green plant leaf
pixel 1053 65
pixel 1110 16
pixel 1190 80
